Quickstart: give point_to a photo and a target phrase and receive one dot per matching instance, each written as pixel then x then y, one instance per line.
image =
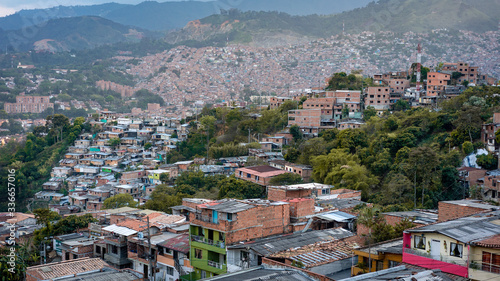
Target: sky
pixel 8 7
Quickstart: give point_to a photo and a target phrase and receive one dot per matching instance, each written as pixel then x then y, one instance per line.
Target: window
pixel 393 264
pixel 419 242
pixel 491 262
pixel 379 265
pixel 114 249
pixel 170 270
pixel 198 254
pixel 229 216
pixel 456 250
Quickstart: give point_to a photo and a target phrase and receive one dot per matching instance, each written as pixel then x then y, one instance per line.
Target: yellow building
pixel 484 263
pixel 383 255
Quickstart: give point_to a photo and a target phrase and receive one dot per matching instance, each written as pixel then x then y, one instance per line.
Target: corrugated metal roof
pixel 312 258
pixel 336 216
pixel 231 206
pixel 120 230
pixel 276 244
pixel 465 229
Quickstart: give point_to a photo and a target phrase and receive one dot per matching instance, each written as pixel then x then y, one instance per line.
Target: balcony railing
pixel 204 240
pixel 425 254
pixel 488 267
pixel 206 218
pixel 215 264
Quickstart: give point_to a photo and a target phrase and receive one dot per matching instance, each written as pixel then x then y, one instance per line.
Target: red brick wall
pixel 258 222
pixel 346 193
pixel 276 194
pixel 448 211
pixel 301 207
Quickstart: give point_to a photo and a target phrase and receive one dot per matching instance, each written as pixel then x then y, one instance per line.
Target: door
pixel 435 249
pixel 215 216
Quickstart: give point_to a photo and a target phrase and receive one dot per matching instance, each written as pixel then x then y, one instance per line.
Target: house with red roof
pixel 261 175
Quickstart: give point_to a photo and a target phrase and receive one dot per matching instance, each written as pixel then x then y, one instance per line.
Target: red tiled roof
pixel 136 225
pixel 489 242
pixel 179 243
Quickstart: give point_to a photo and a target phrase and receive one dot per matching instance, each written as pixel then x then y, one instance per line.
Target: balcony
pixel 116 240
pixel 206 218
pixel 424 259
pixel 215 264
pixel 204 240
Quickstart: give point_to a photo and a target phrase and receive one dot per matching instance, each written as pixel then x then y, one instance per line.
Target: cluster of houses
pixel 343 109
pixel 306 230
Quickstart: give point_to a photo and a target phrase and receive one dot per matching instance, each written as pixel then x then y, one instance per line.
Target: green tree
pixel 114 142
pixel 369 217
pixel 45 216
pixel 164 177
pixel 343 170
pixel 296 132
pixel 487 161
pixel 467 147
pixel 147 146
pixel 232 187
pixel 369 113
pixel 120 200
pixel 286 179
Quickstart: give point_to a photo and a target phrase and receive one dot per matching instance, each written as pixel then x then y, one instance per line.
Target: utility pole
pixel 208 144
pixel 151 272
pixel 248 135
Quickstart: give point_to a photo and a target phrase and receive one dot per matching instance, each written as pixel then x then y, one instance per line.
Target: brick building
pixel 307 190
pixel 217 224
pixel 436 82
pixel 28 104
pixel 349 99
pixel 448 210
pixel 488 130
pixel 378 97
pixel 124 91
pixel 258 174
pixel 305 171
pixel 275 102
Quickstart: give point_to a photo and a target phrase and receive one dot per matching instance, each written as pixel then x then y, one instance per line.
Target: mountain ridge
pixel 161 16
pixel 65 34
pixel 397 16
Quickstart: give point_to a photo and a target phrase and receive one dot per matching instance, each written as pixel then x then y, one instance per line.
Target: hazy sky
pixel 8 7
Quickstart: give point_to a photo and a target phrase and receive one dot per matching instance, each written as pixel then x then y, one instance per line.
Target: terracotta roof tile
pixel 134 224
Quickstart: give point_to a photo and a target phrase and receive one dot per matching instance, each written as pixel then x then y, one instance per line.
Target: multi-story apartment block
pixel 311 121
pixel 436 82
pixel 349 99
pixel 217 224
pixel 488 133
pixel 378 97
pixel 275 102
pixel 261 175
pixel 28 104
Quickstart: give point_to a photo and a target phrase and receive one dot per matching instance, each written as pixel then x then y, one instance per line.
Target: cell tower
pixel 419 62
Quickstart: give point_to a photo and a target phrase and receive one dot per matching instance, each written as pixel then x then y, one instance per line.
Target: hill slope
pixel 385 15
pixel 153 15
pixel 70 33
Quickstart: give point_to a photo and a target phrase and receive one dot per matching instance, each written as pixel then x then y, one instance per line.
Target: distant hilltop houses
pixel 28 104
